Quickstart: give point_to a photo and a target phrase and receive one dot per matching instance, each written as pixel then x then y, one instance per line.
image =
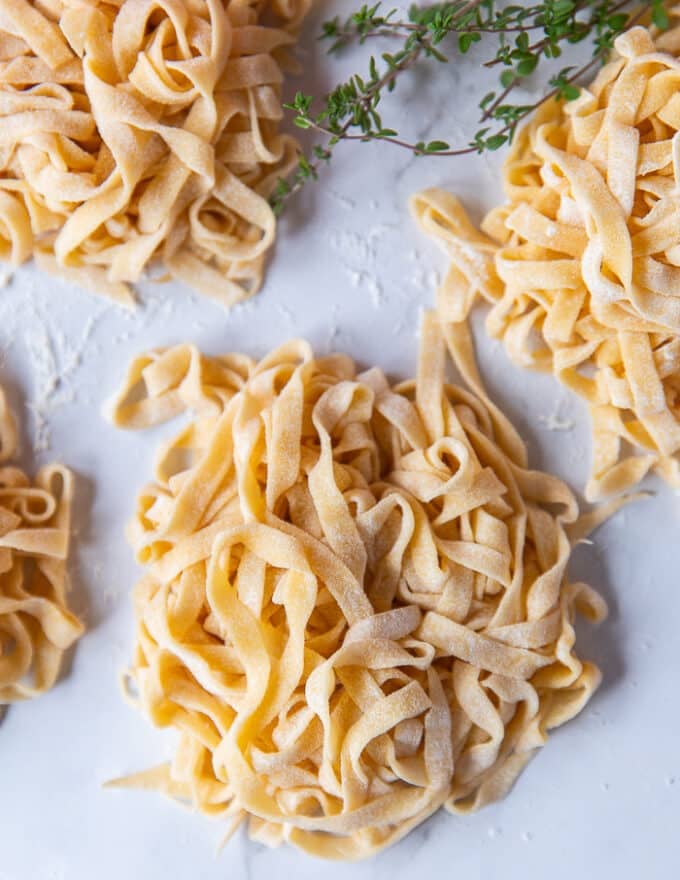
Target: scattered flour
pixel 344 202
pixel 54 360
pixel 333 327
pixel 111 595
pixel 426 280
pixel 555 422
pixel 370 283
pixel 380 230
pixel 125 336
pixel 359 257
pixel 355 277
pixel 353 248
pixel 375 290
pixel 285 312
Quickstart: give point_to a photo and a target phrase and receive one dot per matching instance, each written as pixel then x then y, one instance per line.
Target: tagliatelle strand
pixel 355 608
pixel 36 627
pixel 142 132
pixel 581 266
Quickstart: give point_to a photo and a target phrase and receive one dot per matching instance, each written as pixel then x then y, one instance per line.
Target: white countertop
pixel 350 272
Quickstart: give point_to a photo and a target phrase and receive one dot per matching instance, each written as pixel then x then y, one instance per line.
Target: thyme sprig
pixel 524 37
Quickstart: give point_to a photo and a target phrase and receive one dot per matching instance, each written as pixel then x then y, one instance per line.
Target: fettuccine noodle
pixel 135 131
pixel 355 609
pixel 36 627
pixel 582 263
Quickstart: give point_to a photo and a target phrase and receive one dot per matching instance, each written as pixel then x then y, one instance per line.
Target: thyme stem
pixel 350 111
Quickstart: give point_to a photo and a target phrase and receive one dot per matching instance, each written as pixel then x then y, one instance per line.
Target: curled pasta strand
pixel 355 608
pixel 144 131
pixel 580 267
pixel 36 626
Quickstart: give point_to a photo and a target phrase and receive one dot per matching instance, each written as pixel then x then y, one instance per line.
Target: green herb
pixel 522 37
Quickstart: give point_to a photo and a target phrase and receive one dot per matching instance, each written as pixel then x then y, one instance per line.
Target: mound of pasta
pixel 582 263
pixel 36 627
pixel 355 608
pixel 143 131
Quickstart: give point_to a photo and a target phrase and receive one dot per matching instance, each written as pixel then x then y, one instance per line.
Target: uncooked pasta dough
pixel 36 627
pixel 143 131
pixel 355 608
pixel 582 263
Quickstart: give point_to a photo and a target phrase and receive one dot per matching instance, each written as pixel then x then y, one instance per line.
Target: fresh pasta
pixel 136 132
pixel 36 627
pixel 355 608
pixel 582 263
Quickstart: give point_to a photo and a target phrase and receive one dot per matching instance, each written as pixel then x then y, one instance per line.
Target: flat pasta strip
pixel 581 266
pixel 36 626
pixel 355 607
pixel 142 132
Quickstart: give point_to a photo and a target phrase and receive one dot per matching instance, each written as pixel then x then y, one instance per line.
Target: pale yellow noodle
pixel 143 131
pixel 355 608
pixel 581 265
pixel 36 627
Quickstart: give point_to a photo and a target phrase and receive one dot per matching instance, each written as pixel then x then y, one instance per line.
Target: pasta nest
pixel 355 608
pixel 582 263
pixel 143 131
pixel 36 627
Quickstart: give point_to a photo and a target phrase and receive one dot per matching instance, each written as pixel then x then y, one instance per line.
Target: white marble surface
pixel 350 272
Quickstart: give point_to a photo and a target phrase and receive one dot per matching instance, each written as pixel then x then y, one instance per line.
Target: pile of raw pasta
pixel 582 263
pixel 36 627
pixel 355 608
pixel 143 131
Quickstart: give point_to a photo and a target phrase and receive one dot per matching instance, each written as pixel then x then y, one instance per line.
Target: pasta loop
pixel 582 264
pixel 36 627
pixel 143 131
pixel 355 608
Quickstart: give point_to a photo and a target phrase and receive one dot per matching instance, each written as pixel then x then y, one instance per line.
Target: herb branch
pixel 524 36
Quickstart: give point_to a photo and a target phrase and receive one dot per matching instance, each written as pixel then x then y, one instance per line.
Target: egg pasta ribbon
pixel 36 626
pixel 355 607
pixel 143 132
pixel 581 265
